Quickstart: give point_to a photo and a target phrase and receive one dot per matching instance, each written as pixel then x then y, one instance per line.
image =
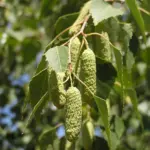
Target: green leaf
pixel 102 107
pixel 119 34
pixel 129 60
pixel 38 86
pixel 64 22
pixel 101 10
pixel 30 48
pixel 46 7
pixel 38 107
pixel 21 35
pixel 114 141
pixel 47 137
pixel 119 63
pixel 146 13
pixel 119 126
pixel 136 14
pixel 103 89
pixel 57 58
pixel 42 65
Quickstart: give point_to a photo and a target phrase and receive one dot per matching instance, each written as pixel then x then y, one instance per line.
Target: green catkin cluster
pixel 87 134
pixel 74 47
pixel 88 75
pixel 83 13
pixel 104 51
pixel 73 113
pixel 56 88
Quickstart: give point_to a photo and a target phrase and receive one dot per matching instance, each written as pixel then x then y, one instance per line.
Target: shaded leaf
pixel 119 64
pixel 38 86
pixel 102 107
pixel 101 10
pixel 119 34
pixel 57 58
pixel 47 137
pixel 42 65
pixel 38 107
pixel 64 22
pixel 131 94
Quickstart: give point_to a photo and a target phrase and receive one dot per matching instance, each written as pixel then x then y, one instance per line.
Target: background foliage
pixel 27 26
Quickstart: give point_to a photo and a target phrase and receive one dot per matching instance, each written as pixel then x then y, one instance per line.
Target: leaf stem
pixel 98 34
pixel 144 11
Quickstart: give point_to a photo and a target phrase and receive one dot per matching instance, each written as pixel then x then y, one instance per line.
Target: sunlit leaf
pixel 57 58
pixel 100 10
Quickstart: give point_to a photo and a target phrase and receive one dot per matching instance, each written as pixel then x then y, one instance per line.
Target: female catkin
pixel 88 75
pixel 56 89
pixel 103 45
pixel 83 13
pixel 73 113
pixel 74 47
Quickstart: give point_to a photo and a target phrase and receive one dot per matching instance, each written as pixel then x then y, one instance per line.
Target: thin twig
pixel 86 42
pixel 84 84
pixel 49 45
pixel 98 34
pixel 78 58
pixel 66 80
pixel 144 11
pixel 70 79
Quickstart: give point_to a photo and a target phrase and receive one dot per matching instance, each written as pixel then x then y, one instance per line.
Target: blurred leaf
pixel 131 94
pixel 119 126
pixel 145 11
pixel 136 14
pixel 115 141
pixel 57 58
pixel 129 60
pixel 102 107
pixel 101 10
pixel 144 108
pixel 30 48
pixel 21 35
pixel 47 7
